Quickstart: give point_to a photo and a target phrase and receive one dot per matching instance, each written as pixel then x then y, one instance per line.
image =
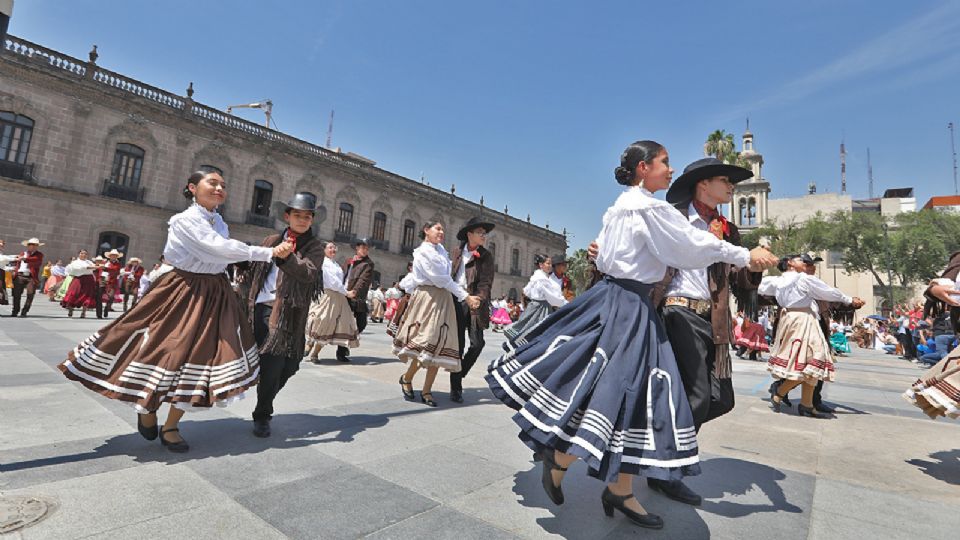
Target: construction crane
pixel 266 105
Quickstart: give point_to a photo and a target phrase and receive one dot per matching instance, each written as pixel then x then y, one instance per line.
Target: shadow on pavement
pixel 945 468
pixel 232 436
pixel 728 476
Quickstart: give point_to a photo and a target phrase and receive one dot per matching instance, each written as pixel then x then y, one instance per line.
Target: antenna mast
pixel 869 174
pixel 843 168
pixel 330 130
pixel 953 148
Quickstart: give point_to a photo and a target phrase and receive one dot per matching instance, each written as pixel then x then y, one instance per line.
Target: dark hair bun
pixel 186 193
pixel 540 259
pixel 624 175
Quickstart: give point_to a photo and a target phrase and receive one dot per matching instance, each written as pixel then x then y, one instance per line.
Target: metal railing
pixel 344 237
pixel 17 171
pixel 406 250
pixel 382 245
pixel 119 191
pixel 259 220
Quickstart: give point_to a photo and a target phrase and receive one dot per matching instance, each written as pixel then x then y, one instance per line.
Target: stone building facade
pixel 93 159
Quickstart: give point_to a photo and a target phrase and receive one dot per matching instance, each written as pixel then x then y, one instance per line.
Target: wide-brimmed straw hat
pixel 134 260
pixel 113 253
pixel 701 169
pixel 34 240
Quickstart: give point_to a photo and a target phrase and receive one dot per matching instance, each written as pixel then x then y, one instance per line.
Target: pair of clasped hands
pixel 283 250
pixel 760 257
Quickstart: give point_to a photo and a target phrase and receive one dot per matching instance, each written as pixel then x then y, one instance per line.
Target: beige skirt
pixel 377 311
pixel 937 391
pixel 331 322
pixel 428 331
pixel 800 352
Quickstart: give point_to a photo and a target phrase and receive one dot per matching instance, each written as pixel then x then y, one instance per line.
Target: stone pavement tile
pixel 340 503
pixel 843 510
pixel 441 523
pixel 919 458
pixel 242 473
pixel 495 445
pixel 18 361
pixel 439 472
pixel 519 506
pixel 223 520
pixel 99 503
pixel 31 379
pixel 27 466
pixel 786 441
pixel 42 413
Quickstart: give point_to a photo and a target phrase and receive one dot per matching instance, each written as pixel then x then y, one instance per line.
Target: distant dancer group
pixel 621 377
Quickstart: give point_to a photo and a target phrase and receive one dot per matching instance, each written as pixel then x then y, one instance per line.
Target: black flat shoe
pixel 261 428
pixel 178 447
pixel 611 502
pixel 675 490
pixel 428 400
pixel 775 405
pixel 407 394
pixel 148 433
pixel 784 400
pixel 555 492
pixel 804 411
pixel 456 396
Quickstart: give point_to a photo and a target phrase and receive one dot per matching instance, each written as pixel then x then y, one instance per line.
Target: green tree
pixel 720 145
pixel 579 270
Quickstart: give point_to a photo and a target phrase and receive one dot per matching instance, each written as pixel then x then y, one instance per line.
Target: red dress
pixel 82 293
pixel 753 338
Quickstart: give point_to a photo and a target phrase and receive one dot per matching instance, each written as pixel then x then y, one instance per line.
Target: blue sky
pixel 530 103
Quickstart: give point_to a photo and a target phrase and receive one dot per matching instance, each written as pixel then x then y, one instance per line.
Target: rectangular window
pixel 127 165
pixel 345 223
pixel 379 226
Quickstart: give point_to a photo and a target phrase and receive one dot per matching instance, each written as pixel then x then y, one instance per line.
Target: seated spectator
pixel 943 338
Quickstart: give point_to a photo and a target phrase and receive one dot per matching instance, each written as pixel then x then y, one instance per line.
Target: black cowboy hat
pixel 362 241
pixel 474 223
pixel 558 259
pixel 682 188
pixel 302 201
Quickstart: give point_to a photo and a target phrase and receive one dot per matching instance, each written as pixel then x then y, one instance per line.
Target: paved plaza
pixel 350 459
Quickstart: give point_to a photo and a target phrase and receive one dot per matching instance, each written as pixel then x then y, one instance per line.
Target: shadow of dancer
pixel 946 468
pixel 723 477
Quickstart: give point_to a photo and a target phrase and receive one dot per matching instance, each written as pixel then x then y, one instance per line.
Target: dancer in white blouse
pixel 427 332
pixel 597 380
pixel 186 342
pixel 82 288
pixel 331 318
pixel 800 353
pixel 545 294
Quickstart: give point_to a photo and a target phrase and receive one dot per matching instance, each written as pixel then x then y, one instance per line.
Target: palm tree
pixel 720 145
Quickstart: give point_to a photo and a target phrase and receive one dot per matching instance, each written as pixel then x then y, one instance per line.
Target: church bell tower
pixel 749 205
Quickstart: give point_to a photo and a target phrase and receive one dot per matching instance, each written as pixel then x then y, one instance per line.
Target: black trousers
pixel 466 329
pixel 275 370
pixel 21 284
pixel 909 347
pixel 361 318
pixel 691 337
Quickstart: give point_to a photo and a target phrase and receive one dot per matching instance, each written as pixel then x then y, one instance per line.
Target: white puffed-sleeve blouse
pixel 432 266
pixel 542 288
pixel 198 241
pixel 333 276
pixel 642 236
pixel 799 290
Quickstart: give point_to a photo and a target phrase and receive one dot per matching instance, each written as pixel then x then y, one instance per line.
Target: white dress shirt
pixel 431 266
pixel 462 269
pixel 268 293
pixel 642 235
pixel 799 290
pixel 541 288
pixel 693 282
pixel 333 276
pixel 58 270
pixel 393 293
pixel 198 241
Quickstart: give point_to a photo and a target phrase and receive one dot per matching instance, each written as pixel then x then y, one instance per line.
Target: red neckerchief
pixel 718 224
pixel 475 253
pixel 292 238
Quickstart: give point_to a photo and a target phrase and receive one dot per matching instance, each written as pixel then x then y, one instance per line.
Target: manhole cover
pixel 17 512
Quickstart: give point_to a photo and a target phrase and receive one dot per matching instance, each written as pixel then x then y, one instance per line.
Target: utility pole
pixel 330 131
pixel 869 174
pixel 953 148
pixel 843 168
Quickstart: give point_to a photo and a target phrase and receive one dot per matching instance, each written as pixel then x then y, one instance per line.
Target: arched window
pixel 409 233
pixel 492 248
pixel 379 226
pixel 751 212
pixel 262 198
pixel 512 295
pixel 15 133
pixel 742 207
pixel 515 261
pixel 127 165
pixel 113 240
pixel 345 221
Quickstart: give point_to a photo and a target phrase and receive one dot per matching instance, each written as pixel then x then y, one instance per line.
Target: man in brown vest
pixel 357 275
pixel 473 269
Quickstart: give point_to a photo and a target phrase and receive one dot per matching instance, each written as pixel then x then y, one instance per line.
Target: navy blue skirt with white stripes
pixel 597 379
